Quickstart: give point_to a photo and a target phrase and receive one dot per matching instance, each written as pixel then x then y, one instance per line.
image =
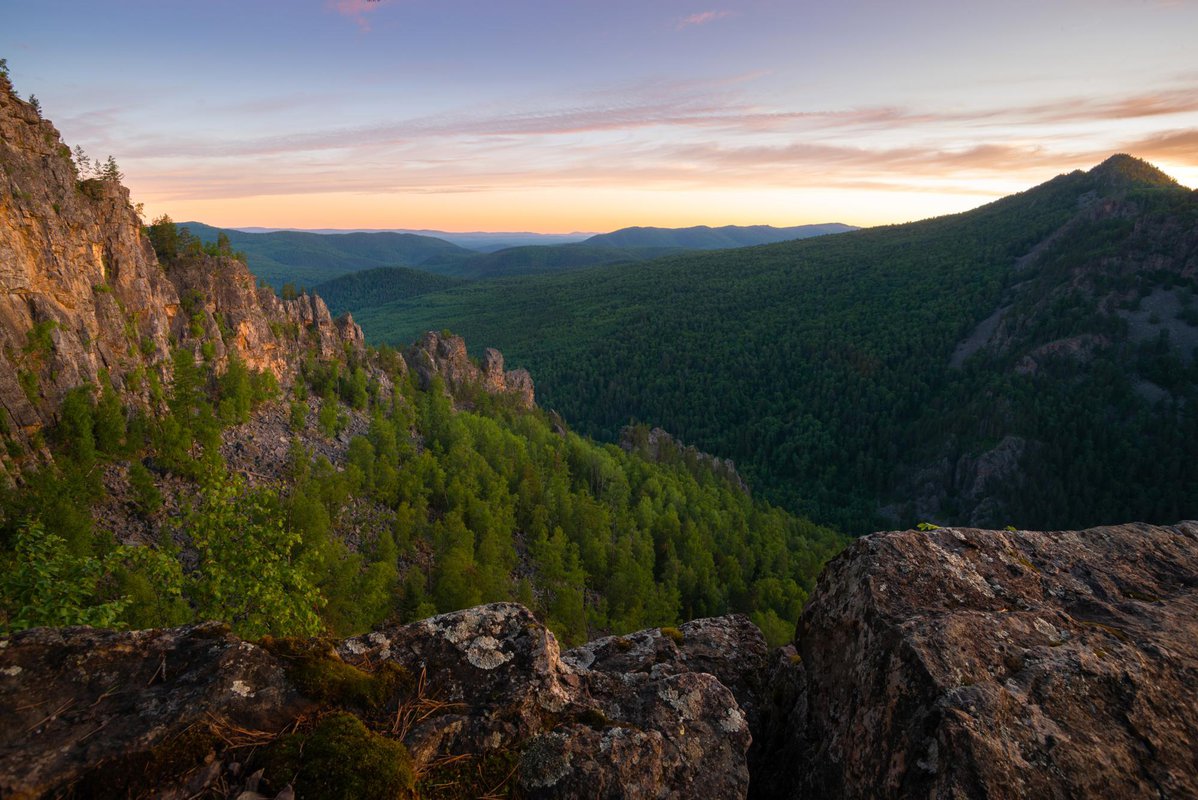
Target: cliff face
pixel 81 290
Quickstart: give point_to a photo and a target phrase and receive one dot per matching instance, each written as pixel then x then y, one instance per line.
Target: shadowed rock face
pixel 967 663
pixel 77 704
pixel 88 707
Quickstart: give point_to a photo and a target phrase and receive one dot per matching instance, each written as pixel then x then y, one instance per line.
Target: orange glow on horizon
pixel 562 211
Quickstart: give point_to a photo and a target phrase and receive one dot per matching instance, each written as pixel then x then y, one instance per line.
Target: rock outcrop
pixel 82 292
pixel 444 356
pixel 182 712
pixel 660 447
pixel 967 663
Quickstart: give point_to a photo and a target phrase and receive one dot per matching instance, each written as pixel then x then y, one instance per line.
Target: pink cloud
pixel 356 10
pixel 702 18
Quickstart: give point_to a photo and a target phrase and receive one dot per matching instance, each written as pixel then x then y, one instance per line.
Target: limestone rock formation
pixel 182 711
pixel 967 663
pixel 444 356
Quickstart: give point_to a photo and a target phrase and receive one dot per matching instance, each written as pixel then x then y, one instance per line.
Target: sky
pixel 581 115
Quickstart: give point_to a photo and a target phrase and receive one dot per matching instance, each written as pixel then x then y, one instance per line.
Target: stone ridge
pixel 659 446
pixel 82 292
pixel 1000 664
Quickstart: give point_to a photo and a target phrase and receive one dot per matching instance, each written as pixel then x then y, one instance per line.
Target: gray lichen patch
pixel 484 652
pixel 546 761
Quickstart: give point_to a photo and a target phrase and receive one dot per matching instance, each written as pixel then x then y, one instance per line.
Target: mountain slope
pixel 702 237
pixel 838 373
pixel 380 285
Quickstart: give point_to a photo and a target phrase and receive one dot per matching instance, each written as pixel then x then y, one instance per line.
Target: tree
pixel 111 172
pixel 110 424
pixel 246 573
pixel 37 104
pixel 83 164
pixel 164 236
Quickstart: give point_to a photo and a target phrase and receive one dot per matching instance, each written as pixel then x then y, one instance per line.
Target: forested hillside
pixel 380 285
pixel 388 504
pixel 1027 363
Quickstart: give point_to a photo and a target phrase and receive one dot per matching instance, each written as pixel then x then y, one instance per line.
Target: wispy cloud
pixel 357 10
pixel 682 135
pixel 702 18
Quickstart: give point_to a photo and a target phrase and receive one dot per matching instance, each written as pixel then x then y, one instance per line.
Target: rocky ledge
pixel 952 663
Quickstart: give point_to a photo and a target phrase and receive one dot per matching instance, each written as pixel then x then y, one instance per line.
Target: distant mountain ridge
pixel 306 258
pixel 482 241
pixel 309 258
pixel 702 237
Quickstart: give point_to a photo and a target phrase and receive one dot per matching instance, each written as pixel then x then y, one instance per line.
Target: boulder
pixel 999 664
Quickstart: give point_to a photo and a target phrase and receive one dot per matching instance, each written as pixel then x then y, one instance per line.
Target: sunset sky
pixel 580 115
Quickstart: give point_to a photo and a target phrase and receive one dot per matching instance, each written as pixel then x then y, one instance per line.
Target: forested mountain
pixel 306 259
pixel 1030 362
pixel 536 259
pixel 702 237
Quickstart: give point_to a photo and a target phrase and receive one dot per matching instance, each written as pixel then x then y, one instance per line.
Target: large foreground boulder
pixel 962 663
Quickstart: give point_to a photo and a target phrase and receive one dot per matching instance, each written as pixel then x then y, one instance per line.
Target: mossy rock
pixel 340 759
pixel 316 670
pixel 673 633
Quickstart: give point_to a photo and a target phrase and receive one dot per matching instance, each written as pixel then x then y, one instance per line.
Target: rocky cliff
pixel 444 356
pixel 951 664
pixel 81 291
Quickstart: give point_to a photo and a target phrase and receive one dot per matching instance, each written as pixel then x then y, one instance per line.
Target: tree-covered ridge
pixel 480 503
pixel 306 259
pixel 825 367
pixel 380 285
pixel 703 237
